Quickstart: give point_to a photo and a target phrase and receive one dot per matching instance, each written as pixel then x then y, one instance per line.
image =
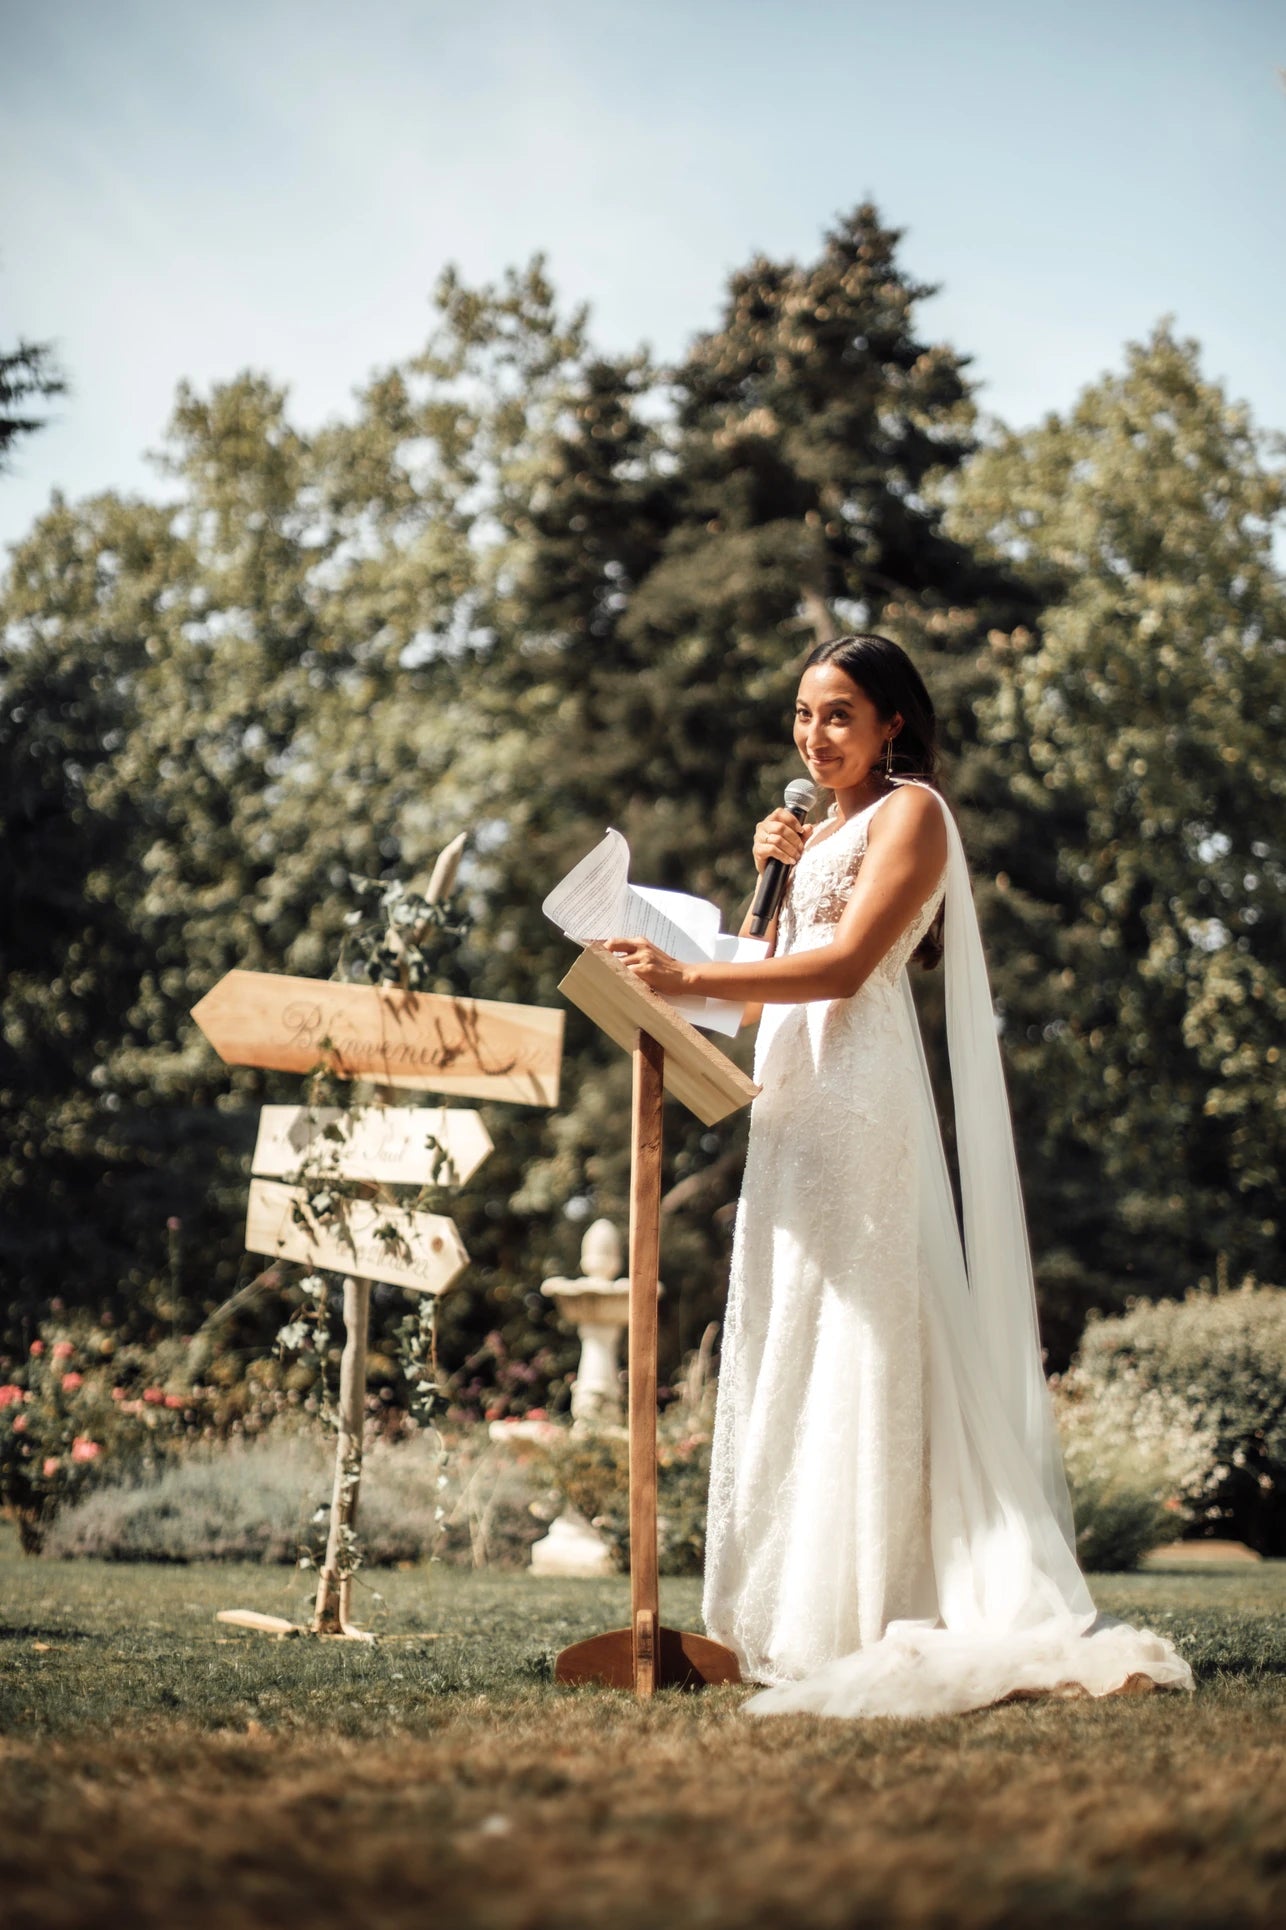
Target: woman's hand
pixel 655 967
pixel 780 835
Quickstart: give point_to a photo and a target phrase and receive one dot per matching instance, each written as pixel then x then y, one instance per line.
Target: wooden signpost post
pixel 669 1055
pixel 472 1048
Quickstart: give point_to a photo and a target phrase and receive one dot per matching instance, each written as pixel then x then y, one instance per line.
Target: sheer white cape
pixel 1015 1616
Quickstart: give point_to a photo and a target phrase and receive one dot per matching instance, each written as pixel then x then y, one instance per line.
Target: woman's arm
pixel 752 1013
pixel 906 851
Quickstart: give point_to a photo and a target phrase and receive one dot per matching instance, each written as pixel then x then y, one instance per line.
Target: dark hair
pixel 883 672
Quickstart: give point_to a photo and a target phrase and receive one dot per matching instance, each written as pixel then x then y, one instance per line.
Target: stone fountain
pixel 597 1304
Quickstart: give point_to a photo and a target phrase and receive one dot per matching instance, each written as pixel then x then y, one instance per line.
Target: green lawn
pixel 162 1769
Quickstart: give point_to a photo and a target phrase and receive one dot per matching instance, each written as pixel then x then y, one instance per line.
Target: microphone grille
pixel 800 795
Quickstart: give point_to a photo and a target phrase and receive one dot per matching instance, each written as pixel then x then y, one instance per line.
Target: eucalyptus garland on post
pixel 394 937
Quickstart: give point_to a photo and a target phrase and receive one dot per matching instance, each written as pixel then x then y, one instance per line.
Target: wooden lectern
pixel 669 1056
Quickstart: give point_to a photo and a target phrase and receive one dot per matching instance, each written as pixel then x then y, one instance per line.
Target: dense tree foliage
pixel 531 590
pixel 1138 737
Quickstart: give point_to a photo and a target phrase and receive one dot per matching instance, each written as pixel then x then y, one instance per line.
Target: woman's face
pixel 838 731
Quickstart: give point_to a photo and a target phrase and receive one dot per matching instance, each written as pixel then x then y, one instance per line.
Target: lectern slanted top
pixel 696 1073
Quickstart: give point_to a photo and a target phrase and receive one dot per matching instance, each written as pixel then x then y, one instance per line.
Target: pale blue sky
pixel 186 192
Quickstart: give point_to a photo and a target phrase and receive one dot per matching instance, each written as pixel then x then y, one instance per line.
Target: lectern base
pixel 681 1661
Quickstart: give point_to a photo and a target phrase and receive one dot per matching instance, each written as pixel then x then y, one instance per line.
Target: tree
pixel 687 535
pixel 217 711
pixel 1138 726
pixel 27 373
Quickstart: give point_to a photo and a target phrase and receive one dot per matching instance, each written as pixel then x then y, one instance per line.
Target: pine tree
pixel 29 376
pixel 691 534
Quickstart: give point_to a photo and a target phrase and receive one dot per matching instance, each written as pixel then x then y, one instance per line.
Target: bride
pixel 889 1527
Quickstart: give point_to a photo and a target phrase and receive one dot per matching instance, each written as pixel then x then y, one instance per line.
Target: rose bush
pixel 78 1411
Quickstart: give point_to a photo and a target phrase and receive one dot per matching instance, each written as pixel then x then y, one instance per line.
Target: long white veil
pixel 1014 1612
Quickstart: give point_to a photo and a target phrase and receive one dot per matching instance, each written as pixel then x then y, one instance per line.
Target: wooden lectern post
pixel 646 1656
pixel 645 1270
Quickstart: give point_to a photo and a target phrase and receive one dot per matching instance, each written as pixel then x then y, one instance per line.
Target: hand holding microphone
pixel 779 839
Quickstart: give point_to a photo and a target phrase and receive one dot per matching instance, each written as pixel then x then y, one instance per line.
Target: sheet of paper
pixel 686 927
pixel 722 1015
pixel 589 902
pixel 596 901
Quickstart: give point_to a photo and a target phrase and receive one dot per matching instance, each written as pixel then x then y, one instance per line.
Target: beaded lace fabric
pixel 880 1540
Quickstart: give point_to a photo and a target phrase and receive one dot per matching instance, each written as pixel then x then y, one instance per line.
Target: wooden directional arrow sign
pixel 376 1242
pixel 396 1145
pixel 476 1048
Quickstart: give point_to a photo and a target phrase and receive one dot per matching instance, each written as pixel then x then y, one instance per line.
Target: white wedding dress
pixel 889 1530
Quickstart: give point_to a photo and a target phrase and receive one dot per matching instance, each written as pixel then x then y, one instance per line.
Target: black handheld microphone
pixel 800 799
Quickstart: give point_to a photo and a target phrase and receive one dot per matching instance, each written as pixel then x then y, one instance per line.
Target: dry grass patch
pixel 442 1779
pixel 598 1811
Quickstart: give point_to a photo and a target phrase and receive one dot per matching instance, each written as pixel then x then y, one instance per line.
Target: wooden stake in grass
pixel 333 1613
pixel 647 1656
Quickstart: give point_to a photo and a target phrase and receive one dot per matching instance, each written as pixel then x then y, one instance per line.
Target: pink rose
pixel 20 1424
pixel 173 1224
pixel 118 1393
pixel 37 1348
pixel 10 1395
pixel 63 1350
pixel 154 1396
pixel 83 1449
pixel 50 1465
pixel 537 1414
pixel 71 1382
pixel 174 1400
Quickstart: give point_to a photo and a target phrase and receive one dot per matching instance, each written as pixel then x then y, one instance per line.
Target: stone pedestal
pixel 572 1548
pixel 598 1306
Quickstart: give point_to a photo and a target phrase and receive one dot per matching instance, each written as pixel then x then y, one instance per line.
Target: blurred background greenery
pixel 527 589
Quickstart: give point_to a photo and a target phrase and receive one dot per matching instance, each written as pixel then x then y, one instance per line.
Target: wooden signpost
pixel 473 1048
pixel 470 1048
pixel 379 1241
pixel 397 1145
pixel 669 1055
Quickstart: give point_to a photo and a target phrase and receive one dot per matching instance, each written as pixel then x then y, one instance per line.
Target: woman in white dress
pixel 889 1530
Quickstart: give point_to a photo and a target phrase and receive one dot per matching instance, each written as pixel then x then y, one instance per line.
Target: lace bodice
pixel 822 883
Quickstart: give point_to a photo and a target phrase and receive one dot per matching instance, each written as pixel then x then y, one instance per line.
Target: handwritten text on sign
pixel 396 1145
pixel 372 1241
pixel 476 1048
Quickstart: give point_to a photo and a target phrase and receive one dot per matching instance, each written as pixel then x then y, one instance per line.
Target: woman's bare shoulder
pixel 912 819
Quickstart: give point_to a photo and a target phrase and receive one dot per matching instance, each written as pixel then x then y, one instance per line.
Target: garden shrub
pixel 591 1471
pixel 463 1499
pixel 1223 1354
pixel 1139 1468
pixel 266 1500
